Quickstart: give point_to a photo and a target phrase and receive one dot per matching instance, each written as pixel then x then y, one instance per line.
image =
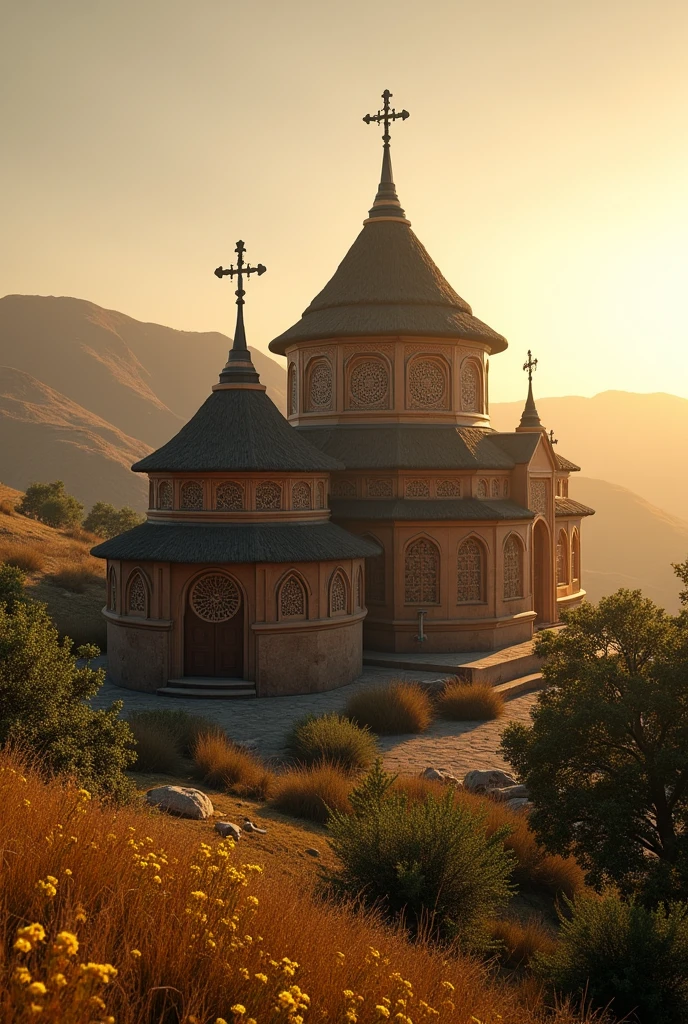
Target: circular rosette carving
pixel 215 598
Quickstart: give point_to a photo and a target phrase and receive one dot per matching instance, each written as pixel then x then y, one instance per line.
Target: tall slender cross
pixel 239 366
pixel 552 438
pixel 239 271
pixel 386 115
pixel 530 365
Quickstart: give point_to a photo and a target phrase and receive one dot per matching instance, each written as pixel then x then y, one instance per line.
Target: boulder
pixel 182 801
pixel 486 781
pixel 521 805
pixel 439 775
pixel 228 830
pixel 510 792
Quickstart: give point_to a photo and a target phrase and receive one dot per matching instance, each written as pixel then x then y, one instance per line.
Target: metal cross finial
pixel 552 438
pixel 530 366
pixel 386 115
pixel 239 271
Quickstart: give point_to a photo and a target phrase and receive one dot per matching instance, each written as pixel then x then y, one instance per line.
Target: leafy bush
pixel 225 765
pixel 334 739
pixel 43 707
pixel 621 953
pixel 12 581
pixel 183 727
pixel 519 942
pixel 313 792
pixel 107 521
pixel 50 504
pixel 29 557
pixel 391 710
pixel 470 702
pixel 430 864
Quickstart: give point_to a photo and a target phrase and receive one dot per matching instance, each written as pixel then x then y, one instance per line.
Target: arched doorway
pixel 214 629
pixel 542 573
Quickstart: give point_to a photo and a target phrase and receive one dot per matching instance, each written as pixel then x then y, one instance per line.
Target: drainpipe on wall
pixel 421 637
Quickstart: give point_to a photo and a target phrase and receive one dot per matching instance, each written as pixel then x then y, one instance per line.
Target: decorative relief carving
pixel 337 594
pixel 215 598
pixel 379 350
pixel 495 488
pixel 369 385
pixel 292 599
pixel 513 568
pixel 469 572
pixel 301 495
pixel 344 489
pixel 443 350
pixel 427 384
pixel 165 494
pixel 293 389
pixel 268 497
pixel 482 489
pixel 319 384
pixel 136 598
pixel 229 497
pixel 380 488
pixel 417 489
pixel 470 387
pixel 448 489
pixel 538 496
pixel 192 495
pixel 421 573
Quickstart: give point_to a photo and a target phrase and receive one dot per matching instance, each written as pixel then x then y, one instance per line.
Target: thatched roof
pixel 564 464
pixel 569 507
pixel 387 284
pixel 455 509
pixel 226 543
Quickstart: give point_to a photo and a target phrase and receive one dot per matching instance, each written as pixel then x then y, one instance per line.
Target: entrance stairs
pixel 197 686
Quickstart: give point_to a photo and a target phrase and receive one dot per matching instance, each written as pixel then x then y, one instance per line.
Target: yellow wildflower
pixel 22 975
pixel 199 895
pixel 37 988
pixel 383 1011
pixel 220 1020
pixel 286 1000
pixel 66 942
pixel 32 932
pixel 261 977
pixel 84 794
pixel 243 971
pixel 348 994
pixel 80 915
pixel 23 946
pixel 35 1008
pixel 47 887
pixel 253 900
pixel 157 879
pixel 136 953
pixel 68 871
pixel 27 803
pixel 351 1016
pixel 448 985
pixel 101 972
pixel 238 1009
pixel 59 980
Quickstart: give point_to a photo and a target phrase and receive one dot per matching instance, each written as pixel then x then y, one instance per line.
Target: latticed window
pixel 165 494
pixel 359 588
pixel 469 572
pixel 381 488
pixel 215 598
pixel 301 495
pixel 417 489
pixel 427 384
pixel 229 497
pixel 470 388
pixel 495 488
pixel 112 592
pixel 319 385
pixel 482 489
pixel 136 594
pixel 292 598
pixel 337 594
pixel 268 497
pixel 192 495
pixel 575 556
pixel 422 573
pixel 513 568
pixel 369 385
pixel 344 489
pixel 562 560
pixel 538 496
pixel 293 389
pixel 375 575
pixel 448 489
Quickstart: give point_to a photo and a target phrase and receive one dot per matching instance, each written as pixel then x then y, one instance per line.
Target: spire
pixel 239 368
pixel 530 419
pixel 386 205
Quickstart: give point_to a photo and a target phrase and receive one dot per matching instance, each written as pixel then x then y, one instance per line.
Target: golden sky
pixel 544 166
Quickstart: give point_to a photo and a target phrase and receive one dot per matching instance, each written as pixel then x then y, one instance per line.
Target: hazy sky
pixel 544 166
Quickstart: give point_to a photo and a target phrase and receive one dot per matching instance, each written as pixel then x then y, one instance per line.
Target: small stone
pixel 228 830
pixel 510 792
pixel 312 852
pixel 478 781
pixel 182 801
pixel 250 827
pixel 439 775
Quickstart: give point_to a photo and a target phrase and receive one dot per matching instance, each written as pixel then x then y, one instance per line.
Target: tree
pixel 606 756
pixel 681 570
pixel 12 581
pixel 50 504
pixel 43 703
pixel 107 521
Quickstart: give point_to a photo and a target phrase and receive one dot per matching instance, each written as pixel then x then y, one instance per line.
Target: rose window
pixel 320 386
pixel 427 384
pixel 229 497
pixel 369 384
pixel 215 598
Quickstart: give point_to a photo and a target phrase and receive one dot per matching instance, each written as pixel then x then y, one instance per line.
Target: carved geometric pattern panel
pixel 292 598
pixel 320 385
pixel 268 497
pixel 375 575
pixel 293 389
pixel 369 385
pixel 337 594
pixel 470 384
pixel 301 495
pixel 538 496
pixel 562 560
pixel 164 494
pixel 417 489
pixel 381 488
pixel 448 489
pixel 229 497
pixel 192 495
pixel 469 572
pixel 422 573
pixel 215 598
pixel 137 594
pixel 344 489
pixel 482 489
pixel 513 569
pixel 495 488
pixel 427 384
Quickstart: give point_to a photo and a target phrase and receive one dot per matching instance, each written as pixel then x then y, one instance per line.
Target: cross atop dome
pixel 386 205
pixel 530 419
pixel 239 368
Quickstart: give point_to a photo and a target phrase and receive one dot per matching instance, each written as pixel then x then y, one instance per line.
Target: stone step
pixel 211 683
pixel 216 693
pixel 492 667
pixel 515 687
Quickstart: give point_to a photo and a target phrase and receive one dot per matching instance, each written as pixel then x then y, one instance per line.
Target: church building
pixel 385 513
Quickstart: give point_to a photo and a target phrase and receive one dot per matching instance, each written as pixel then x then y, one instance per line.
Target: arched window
pixel 137 594
pixel 562 557
pixel 422 573
pixel 471 387
pixel 192 495
pixel 165 494
pixel 292 599
pixel 427 383
pixel 319 385
pixel 292 390
pixel 338 593
pixel 448 489
pixel 321 494
pixel 513 568
pixel 470 572
pixel 301 495
pixel 359 588
pixel 151 494
pixel 268 497
pixel 482 489
pixel 495 488
pixel 368 384
pixel 375 574
pixel 112 591
pixel 229 496
pixel 575 557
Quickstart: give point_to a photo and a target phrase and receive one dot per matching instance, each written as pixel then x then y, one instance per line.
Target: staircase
pixel 213 688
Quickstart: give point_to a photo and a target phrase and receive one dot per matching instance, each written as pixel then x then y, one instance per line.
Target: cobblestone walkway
pixel 453 746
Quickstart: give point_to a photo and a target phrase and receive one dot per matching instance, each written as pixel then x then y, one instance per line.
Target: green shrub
pixel 50 504
pixel 470 702
pixel 430 863
pixel 12 580
pixel 313 793
pixel 334 739
pixel 183 727
pixel 157 748
pixel 107 521
pixel 391 710
pixel 621 953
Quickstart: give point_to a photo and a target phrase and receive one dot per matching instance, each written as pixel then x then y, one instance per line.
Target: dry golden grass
pixel 223 764
pixel 470 702
pixel 309 792
pixel 198 942
pixel 520 941
pixel 25 555
pixel 7 507
pixel 391 710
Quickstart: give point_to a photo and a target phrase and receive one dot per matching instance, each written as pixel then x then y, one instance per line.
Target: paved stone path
pixel 453 746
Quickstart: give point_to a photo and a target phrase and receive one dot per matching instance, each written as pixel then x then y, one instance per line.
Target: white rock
pixel 478 781
pixel 181 800
pixel 250 827
pixel 228 830
pixel 510 792
pixel 521 805
pixel 438 775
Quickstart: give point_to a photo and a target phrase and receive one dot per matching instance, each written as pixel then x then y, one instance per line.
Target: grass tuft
pixel 185 728
pixel 391 710
pixel 334 739
pixel 519 942
pixel 24 555
pixel 312 792
pixel 157 749
pixel 470 702
pixel 224 765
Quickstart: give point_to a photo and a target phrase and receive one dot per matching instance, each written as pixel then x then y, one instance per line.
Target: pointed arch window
pixel 137 594
pixel 229 497
pixel 575 556
pixel 301 495
pixel 338 593
pixel 470 573
pixel 562 558
pixel 165 494
pixel 268 497
pixel 293 390
pixel 471 387
pixel 191 495
pixel 513 568
pixel 422 572
pixel 321 494
pixel 495 488
pixel 482 489
pixel 292 599
pixel 319 385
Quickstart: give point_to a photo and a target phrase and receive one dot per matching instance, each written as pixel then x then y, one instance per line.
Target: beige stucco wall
pixel 138 654
pixel 291 661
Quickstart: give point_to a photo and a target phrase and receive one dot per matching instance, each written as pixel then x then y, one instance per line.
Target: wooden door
pixel 541 573
pixel 214 629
